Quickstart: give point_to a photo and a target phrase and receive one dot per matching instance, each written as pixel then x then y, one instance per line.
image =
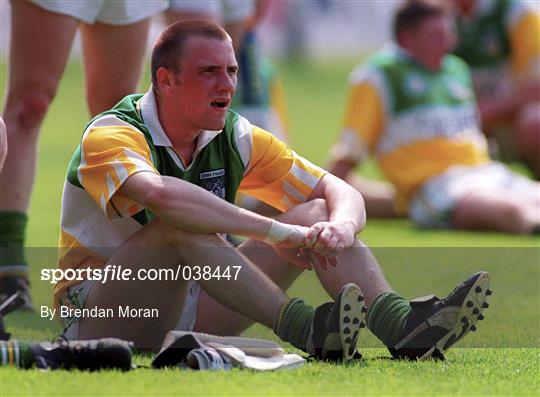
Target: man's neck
pixel 179 132
pixel 432 64
pixel 183 137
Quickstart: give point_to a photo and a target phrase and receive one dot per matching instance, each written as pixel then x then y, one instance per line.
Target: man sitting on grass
pixel 152 185
pixel 414 108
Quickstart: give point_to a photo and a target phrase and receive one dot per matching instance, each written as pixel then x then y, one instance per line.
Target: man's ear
pixel 405 37
pixel 165 79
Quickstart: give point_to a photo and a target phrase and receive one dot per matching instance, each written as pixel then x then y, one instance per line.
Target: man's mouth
pixel 219 104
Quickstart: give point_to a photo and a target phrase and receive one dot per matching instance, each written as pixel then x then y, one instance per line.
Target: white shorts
pixel 432 206
pixel 228 11
pixel 117 12
pixel 76 295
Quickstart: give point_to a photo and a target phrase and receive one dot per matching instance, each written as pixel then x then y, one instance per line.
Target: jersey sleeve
pixel 111 152
pixel 523 25
pixel 276 174
pixel 363 121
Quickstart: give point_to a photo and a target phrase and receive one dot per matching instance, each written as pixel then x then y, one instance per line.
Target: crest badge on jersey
pixel 415 85
pixel 458 90
pixel 214 182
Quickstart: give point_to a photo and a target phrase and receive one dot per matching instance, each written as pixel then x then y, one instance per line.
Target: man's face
pixel 464 6
pixel 432 39
pixel 206 83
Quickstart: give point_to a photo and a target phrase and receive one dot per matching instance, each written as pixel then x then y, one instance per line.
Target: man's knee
pixel 318 211
pixel 28 107
pixel 306 214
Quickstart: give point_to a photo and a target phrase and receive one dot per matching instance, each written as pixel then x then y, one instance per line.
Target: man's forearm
pixel 193 209
pixel 348 207
pixel 343 201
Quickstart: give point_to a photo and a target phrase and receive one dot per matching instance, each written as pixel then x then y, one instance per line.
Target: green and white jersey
pixel 417 122
pixel 483 40
pixel 217 164
pixel 129 139
pixel 499 41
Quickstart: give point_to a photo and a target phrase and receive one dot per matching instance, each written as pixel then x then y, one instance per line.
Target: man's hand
pixel 316 246
pixel 329 238
pixel 285 235
pixel 287 241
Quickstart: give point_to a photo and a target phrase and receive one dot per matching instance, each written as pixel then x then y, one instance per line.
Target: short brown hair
pixel 167 51
pixel 413 12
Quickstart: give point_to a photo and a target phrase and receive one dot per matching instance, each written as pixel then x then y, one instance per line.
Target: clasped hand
pixel 318 245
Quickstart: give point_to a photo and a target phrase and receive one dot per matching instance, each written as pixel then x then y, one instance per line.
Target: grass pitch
pixel 502 358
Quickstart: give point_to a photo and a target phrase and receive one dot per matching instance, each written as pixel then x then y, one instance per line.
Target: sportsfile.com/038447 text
pixel 121 273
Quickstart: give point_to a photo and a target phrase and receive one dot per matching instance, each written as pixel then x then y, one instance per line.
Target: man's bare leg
pixel 40 45
pixel 355 264
pixel 108 49
pixel 497 211
pixel 397 323
pixel 159 243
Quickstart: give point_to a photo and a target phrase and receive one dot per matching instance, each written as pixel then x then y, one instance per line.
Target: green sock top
pixel 293 324
pixel 386 317
pixel 12 236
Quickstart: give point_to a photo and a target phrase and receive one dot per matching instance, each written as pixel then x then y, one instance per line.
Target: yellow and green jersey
pixel 500 40
pixel 416 122
pixel 129 139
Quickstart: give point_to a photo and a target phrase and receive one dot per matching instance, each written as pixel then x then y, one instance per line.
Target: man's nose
pixel 227 83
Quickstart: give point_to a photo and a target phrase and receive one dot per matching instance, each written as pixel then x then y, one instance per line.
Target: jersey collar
pixel 148 109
